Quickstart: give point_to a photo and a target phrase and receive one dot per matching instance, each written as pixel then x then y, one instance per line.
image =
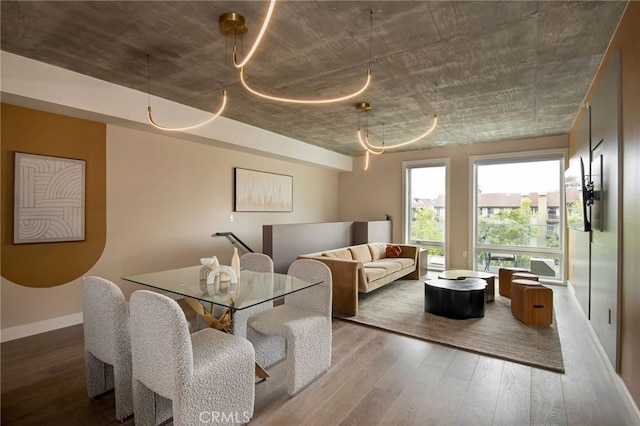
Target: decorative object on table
pixel 399 307
pixel 205 310
pixel 256 191
pixel 209 264
pixel 205 271
pixel 235 262
pixel 192 372
pixel 214 265
pixel 49 199
pixel 107 348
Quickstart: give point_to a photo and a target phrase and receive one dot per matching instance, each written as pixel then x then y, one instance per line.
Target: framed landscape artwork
pixel 256 191
pixel 49 199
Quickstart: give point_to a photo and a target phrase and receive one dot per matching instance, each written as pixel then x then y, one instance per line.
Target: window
pixel 524 228
pixel 425 209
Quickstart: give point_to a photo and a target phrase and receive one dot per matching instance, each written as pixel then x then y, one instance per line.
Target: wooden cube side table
pixel 504 280
pixel 531 302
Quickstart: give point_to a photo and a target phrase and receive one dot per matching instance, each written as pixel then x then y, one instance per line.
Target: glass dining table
pixel 252 288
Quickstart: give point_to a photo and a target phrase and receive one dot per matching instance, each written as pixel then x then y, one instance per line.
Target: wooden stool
pixel 524 276
pixel 531 302
pixel 504 280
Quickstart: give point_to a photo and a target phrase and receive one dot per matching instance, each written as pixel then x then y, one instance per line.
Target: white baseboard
pixel 625 395
pixel 13 333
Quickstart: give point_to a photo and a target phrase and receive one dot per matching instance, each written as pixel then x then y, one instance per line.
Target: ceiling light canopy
pixel 236 23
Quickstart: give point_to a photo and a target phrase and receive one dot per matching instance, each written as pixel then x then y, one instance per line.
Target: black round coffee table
pixel 457 299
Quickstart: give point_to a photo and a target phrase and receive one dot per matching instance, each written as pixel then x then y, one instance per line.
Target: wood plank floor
pixel 376 378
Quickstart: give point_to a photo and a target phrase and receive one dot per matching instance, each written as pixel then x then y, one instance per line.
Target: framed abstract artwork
pixel 49 199
pixel 256 191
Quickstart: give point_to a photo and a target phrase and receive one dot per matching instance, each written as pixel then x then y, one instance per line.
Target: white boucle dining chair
pixel 208 376
pixel 305 321
pixel 107 350
pixel 269 349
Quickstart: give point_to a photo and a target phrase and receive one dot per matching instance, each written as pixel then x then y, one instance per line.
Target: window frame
pixel 406 208
pixel 475 248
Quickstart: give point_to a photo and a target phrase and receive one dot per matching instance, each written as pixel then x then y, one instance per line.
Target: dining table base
pixel 223 324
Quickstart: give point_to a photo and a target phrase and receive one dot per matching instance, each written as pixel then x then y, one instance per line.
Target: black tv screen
pixel 576 197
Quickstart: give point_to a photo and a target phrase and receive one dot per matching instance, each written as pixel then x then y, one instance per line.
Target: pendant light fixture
pixel 365 107
pixel 181 128
pixel 237 23
pixel 283 99
pixel 372 149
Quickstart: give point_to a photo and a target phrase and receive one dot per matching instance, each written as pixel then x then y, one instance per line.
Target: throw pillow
pixel 393 251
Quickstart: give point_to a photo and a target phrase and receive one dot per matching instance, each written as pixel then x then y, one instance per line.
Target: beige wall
pixel 165 197
pixel 625 41
pixel 372 194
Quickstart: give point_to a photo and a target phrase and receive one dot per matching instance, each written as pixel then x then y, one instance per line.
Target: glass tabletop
pixel 252 288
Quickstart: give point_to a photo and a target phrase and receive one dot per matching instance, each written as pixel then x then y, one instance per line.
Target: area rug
pixel 399 307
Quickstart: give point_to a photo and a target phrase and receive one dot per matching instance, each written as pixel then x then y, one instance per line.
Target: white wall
pixel 165 197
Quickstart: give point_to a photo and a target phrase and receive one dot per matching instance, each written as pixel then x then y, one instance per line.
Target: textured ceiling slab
pixel 504 70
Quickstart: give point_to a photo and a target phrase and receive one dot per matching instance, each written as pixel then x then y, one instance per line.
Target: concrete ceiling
pixel 504 69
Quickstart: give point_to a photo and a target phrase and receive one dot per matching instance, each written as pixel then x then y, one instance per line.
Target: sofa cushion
pixel 339 254
pixel 393 250
pixel 373 274
pixel 404 261
pixel 388 266
pixel 361 253
pixel 377 250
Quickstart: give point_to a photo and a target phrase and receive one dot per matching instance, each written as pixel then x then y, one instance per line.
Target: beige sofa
pixel 363 268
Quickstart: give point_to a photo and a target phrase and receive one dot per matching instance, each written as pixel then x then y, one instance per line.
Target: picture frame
pixel 49 199
pixel 257 191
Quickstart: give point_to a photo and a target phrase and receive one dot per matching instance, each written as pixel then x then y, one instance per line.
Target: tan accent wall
pixel 372 194
pixel 35 132
pixel 625 41
pixel 165 197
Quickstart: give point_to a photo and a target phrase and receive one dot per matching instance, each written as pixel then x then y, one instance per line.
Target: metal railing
pixel 234 239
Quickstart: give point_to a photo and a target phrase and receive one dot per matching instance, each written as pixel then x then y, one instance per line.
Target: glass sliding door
pixel 425 210
pixel 519 214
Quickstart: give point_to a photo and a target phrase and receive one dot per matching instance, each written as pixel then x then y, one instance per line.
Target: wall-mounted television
pixel 578 197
